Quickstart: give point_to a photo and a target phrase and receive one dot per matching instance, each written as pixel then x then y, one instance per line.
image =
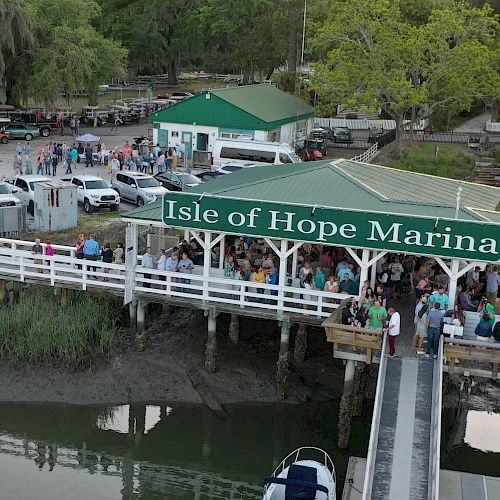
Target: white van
pixel 250 151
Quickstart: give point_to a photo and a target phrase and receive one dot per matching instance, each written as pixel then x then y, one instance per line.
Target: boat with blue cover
pixel 300 477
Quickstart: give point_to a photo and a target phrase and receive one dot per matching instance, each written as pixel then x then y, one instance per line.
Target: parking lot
pixel 127 133
pixel 111 141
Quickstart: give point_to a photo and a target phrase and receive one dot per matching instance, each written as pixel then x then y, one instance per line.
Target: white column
pixel 295 259
pixel 283 255
pixel 452 289
pixel 373 272
pixel 186 235
pixel 365 261
pixel 207 262
pixel 221 252
pixel 131 236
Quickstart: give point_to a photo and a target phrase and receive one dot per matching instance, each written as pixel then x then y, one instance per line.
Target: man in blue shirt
pixel 434 323
pixel 91 251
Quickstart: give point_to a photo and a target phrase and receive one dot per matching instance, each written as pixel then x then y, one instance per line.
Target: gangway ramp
pixel 404 444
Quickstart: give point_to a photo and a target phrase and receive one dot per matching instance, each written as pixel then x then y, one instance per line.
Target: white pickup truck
pixel 94 193
pixel 26 189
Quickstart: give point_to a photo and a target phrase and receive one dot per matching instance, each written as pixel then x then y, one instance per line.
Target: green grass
pixel 450 160
pixel 38 329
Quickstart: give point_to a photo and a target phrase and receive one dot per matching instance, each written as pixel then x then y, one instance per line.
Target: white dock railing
pixel 377 412
pixel 18 262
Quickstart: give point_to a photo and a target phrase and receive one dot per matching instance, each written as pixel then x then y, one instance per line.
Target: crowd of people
pixel 329 269
pixel 45 161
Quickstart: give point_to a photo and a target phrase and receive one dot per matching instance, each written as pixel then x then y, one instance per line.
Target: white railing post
pixel 84 274
pixel 242 294
pixel 21 267
pixel 51 268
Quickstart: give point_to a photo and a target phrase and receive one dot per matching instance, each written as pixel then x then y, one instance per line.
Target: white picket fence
pixel 368 155
pixel 365 124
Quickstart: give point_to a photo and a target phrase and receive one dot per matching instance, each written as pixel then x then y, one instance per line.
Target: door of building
pixel 187 142
pixel 163 138
pixel 201 142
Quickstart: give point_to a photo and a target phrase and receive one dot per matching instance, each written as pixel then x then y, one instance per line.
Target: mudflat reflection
pixel 159 451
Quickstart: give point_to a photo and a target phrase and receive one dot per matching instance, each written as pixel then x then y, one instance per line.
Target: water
pixel 471 442
pixel 150 451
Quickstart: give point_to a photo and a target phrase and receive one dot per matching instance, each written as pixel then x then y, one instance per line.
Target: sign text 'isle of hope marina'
pixel 399 233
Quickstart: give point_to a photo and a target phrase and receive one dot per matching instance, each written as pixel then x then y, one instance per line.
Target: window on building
pixel 175 134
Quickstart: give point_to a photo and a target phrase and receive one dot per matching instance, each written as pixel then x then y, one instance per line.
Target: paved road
pixel 474 125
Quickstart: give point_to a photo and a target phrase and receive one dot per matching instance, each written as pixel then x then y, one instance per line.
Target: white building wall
pixel 213 133
pixel 288 131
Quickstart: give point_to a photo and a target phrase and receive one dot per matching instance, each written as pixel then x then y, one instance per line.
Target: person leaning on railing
pixel 37 249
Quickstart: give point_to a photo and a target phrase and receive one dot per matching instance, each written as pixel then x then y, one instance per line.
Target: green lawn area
pixel 450 160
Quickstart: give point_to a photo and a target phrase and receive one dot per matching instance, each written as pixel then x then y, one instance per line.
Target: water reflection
pixel 156 451
pixel 483 431
pixel 470 441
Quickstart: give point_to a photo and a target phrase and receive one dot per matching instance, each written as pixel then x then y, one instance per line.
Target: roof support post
pixel 221 251
pixel 373 272
pixel 365 260
pixel 131 243
pixel 454 273
pixel 283 253
pixel 282 276
pixel 207 244
pixel 452 290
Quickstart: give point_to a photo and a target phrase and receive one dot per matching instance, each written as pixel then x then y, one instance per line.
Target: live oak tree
pixel 410 68
pixel 248 35
pixel 159 35
pixel 70 55
pixel 16 45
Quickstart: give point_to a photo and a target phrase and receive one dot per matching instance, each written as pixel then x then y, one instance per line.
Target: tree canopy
pixel 409 62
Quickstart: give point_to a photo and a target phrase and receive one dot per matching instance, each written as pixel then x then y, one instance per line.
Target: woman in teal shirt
pixel 319 279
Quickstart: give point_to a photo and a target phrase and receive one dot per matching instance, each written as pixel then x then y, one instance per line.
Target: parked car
pixel 206 176
pixel 21 131
pixel 319 133
pixel 137 187
pixel 26 184
pixel 4 137
pixel 180 96
pixel 87 116
pixel 7 198
pixel 342 135
pixel 229 168
pixel 95 193
pixel 177 181
pixel 374 134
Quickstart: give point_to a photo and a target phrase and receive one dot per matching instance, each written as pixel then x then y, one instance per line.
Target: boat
pixel 300 477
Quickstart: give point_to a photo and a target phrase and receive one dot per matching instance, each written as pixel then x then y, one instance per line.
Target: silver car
pixel 137 187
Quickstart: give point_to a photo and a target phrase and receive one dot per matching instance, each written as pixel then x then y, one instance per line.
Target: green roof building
pixel 260 112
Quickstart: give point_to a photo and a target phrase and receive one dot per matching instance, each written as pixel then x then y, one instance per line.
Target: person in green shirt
pixel 319 279
pixel 377 315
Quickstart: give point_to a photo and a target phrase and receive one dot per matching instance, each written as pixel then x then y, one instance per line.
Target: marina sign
pixel 421 235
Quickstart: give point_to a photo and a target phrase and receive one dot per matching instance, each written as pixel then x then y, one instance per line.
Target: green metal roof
pixel 265 102
pixel 349 185
pixel 252 107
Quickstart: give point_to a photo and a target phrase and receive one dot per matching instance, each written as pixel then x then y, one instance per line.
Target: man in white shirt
pixel 147 262
pixel 393 330
pixel 472 279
